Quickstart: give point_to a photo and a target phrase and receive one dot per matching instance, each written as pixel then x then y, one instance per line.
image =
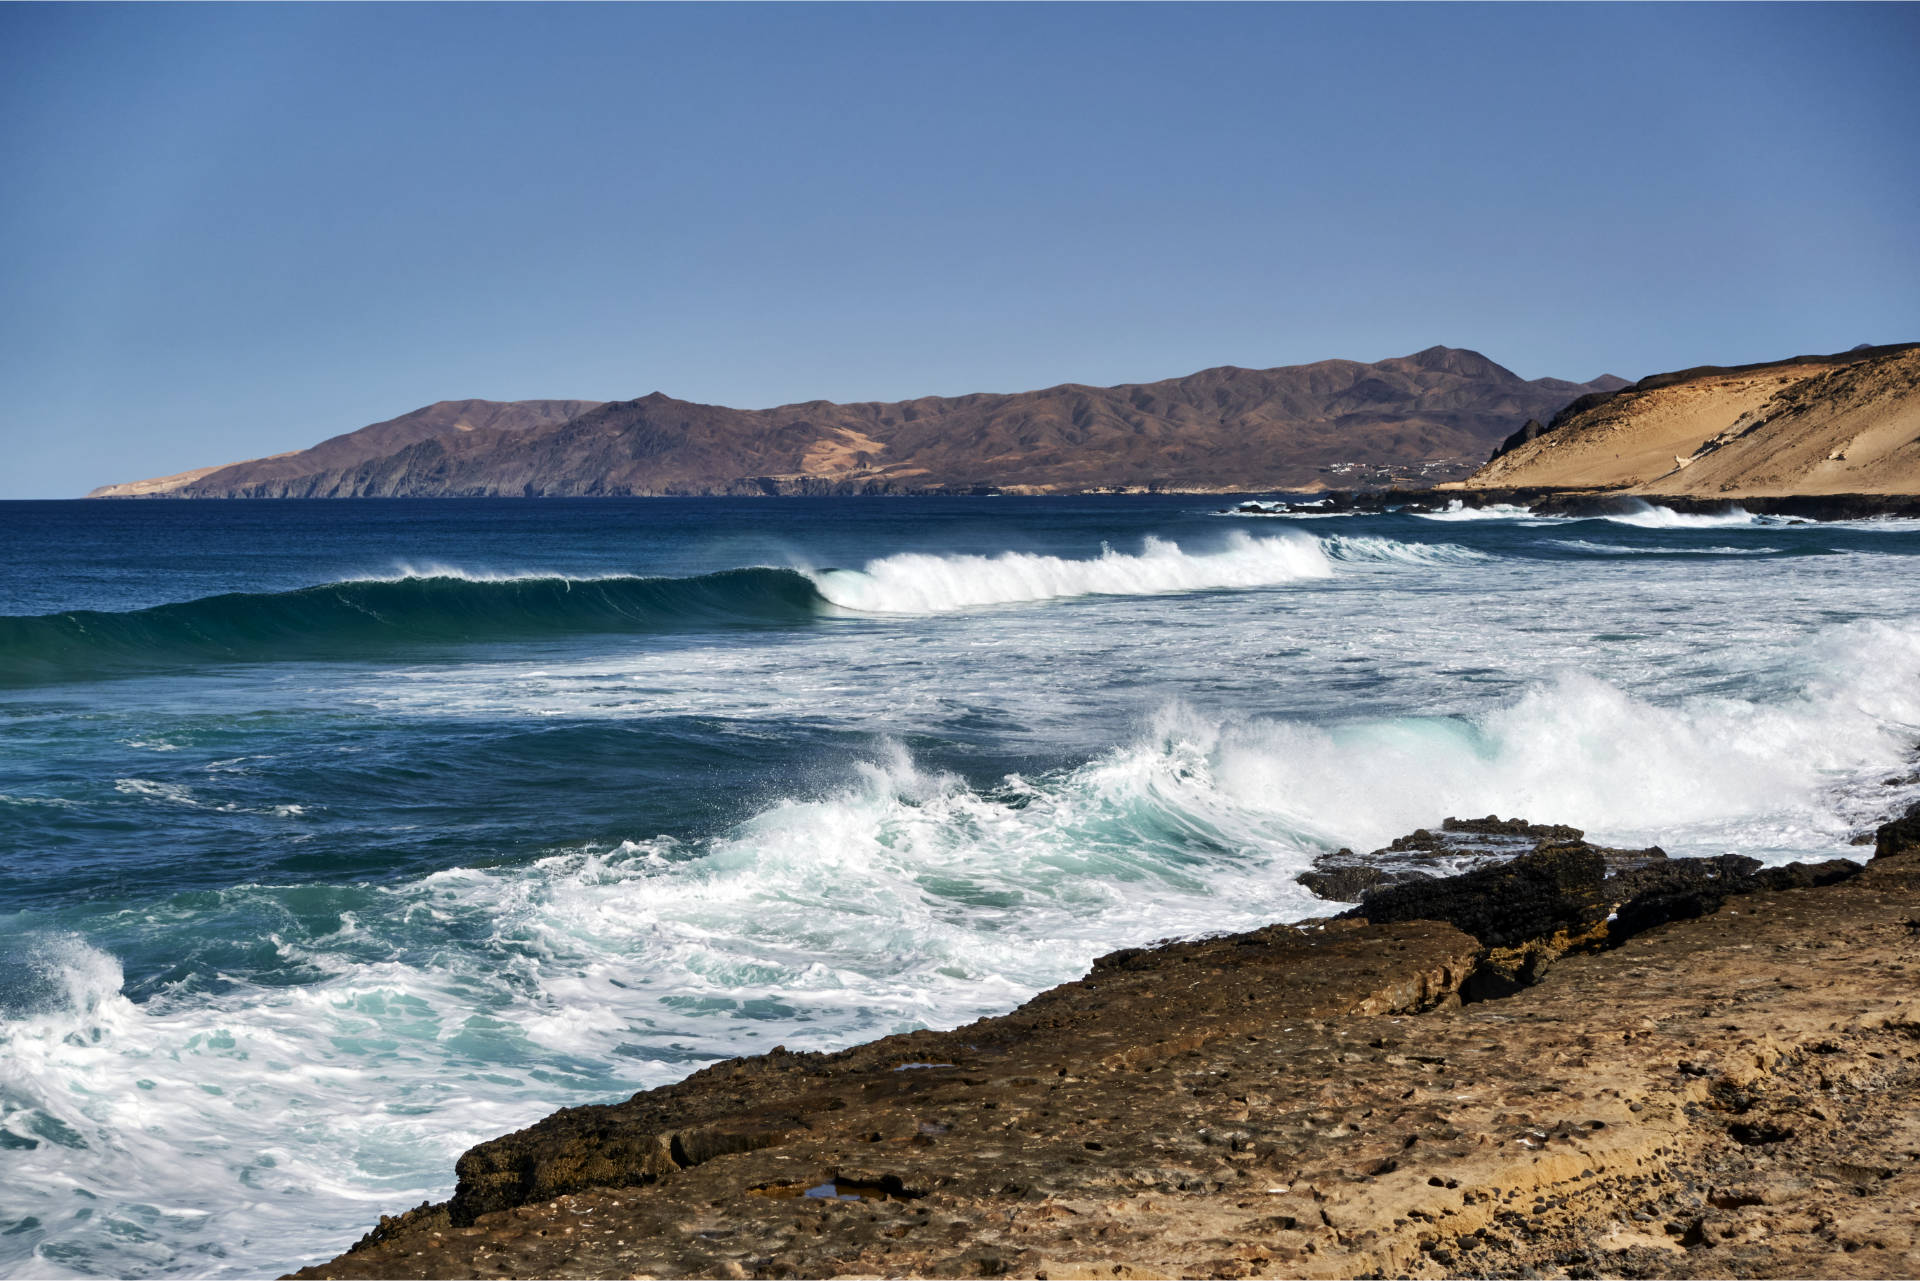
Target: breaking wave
pixel 437 605
pixel 1644 515
pixel 1633 511
pixel 918 583
pixel 1364 548
pixel 1457 510
pixel 383 1027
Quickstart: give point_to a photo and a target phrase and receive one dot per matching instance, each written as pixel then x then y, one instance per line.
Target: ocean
pixel 336 837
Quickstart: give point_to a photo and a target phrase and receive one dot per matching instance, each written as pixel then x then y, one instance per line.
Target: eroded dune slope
pixel 1845 424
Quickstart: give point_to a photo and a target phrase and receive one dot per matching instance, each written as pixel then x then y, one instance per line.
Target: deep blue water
pixel 337 836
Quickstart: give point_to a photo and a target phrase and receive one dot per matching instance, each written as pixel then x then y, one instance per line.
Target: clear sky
pixel 233 230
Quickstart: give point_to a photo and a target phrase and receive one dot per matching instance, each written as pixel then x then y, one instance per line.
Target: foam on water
pixel 1644 515
pixel 1457 510
pixel 1366 548
pixel 281 1062
pixel 919 583
pixel 1616 549
pixel 1775 780
pixel 280 1111
pixel 1290 510
pixel 1636 512
pixel 404 570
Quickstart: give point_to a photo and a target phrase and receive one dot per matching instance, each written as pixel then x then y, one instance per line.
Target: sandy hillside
pixel 1846 424
pixel 160 484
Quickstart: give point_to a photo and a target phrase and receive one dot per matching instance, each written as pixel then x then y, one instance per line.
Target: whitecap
pixel 920 583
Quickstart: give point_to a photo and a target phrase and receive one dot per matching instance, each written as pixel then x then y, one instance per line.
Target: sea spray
pixel 1621 511
pixel 435 607
pixel 1360 549
pixel 312 928
pixel 1459 511
pixel 918 583
pixel 441 1010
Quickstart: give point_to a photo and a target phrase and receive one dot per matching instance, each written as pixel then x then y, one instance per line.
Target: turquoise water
pixel 336 837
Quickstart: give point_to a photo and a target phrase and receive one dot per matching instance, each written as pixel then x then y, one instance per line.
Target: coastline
pixel 1539 500
pixel 1543 501
pixel 1595 1062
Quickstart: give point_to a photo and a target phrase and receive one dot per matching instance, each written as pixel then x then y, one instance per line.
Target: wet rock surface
pixel 1457 845
pixel 1900 836
pixel 1723 1086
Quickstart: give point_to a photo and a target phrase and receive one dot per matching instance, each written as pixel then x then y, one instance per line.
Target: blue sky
pixel 234 230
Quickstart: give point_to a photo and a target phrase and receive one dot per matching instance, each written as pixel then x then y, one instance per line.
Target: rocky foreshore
pixel 1576 1062
pixel 1590 502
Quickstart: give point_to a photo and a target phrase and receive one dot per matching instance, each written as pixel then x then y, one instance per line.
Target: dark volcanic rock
pixel 1681 889
pixel 1563 896
pixel 1584 895
pixel 1899 836
pixel 1460 845
pixel 1338 876
pixel 1555 890
pixel 1529 430
pixel 1494 825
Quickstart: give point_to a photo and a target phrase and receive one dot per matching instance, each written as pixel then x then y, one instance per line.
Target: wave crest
pixel 358 618
pixel 917 583
pixel 365 618
pixel 1365 548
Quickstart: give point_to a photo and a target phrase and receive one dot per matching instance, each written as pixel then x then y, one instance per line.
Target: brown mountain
pixel 1334 422
pixel 1812 425
pixel 446 417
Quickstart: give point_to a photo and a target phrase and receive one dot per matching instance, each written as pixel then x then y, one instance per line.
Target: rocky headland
pixel 1836 425
pixel 1811 438
pixel 1520 1054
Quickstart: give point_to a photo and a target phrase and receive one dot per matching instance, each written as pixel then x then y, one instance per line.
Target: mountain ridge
pixel 1429 415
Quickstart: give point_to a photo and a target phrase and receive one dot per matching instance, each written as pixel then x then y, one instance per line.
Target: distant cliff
pixel 1423 417
pixel 1811 425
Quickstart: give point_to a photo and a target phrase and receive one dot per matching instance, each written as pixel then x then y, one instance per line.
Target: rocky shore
pixel 1575 1062
pixel 1594 502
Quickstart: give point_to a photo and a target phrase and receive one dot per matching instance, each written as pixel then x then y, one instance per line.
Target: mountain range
pixel 1427 417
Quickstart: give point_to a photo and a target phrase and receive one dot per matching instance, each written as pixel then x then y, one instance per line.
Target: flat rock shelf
pixel 1672 1070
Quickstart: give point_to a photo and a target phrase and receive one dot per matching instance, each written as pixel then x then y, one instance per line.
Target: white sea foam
pixel 1290 511
pixel 404 570
pixel 1366 548
pixel 220 1136
pixel 1457 510
pixel 1635 512
pixel 280 1119
pixel 152 790
pixel 1775 780
pixel 273 1122
pixel 1644 515
pixel 1878 524
pixel 1617 549
pixel 917 583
